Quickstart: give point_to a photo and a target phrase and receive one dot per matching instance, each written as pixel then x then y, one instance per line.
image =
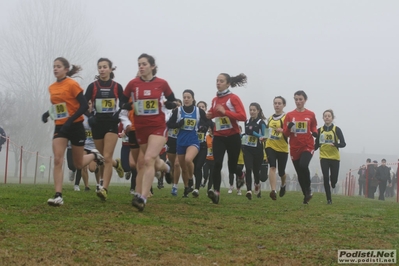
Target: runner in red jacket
pixel 300 126
pixel 227 109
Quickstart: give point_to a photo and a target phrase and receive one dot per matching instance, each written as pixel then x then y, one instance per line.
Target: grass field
pixel 187 231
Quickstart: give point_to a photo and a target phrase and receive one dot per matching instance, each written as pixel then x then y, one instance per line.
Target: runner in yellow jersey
pixel 329 139
pixel 277 147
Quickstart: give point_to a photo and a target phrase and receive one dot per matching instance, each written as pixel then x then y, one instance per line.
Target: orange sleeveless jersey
pixel 66 92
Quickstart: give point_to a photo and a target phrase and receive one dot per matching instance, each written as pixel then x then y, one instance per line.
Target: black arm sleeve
pixel 121 97
pixel 169 104
pixel 82 109
pixel 317 140
pixel 204 123
pixel 172 122
pixel 89 92
pixel 341 138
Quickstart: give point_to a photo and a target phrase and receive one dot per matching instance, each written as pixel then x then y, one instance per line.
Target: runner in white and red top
pixel 227 110
pixel 146 93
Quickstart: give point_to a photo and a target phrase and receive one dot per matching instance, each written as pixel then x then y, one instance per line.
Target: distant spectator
pixel 371 181
pixel 362 180
pixel 390 192
pixel 383 174
pixel 2 137
pixel 315 182
pixel 42 168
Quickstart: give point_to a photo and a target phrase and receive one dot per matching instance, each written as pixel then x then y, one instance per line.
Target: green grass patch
pixel 187 231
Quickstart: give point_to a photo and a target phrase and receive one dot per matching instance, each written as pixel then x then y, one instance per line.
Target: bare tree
pixel 40 31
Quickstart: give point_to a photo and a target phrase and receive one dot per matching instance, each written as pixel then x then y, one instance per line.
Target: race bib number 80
pixel 58 111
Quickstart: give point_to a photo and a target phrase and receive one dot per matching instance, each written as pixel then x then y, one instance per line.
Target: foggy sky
pixel 343 54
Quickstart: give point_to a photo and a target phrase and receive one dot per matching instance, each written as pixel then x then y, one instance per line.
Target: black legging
pixel 302 169
pixel 199 162
pixel 329 166
pixel 231 144
pixel 133 179
pixel 253 158
pixel 125 152
pixel 71 166
pixel 208 172
pixel 78 177
pixel 240 167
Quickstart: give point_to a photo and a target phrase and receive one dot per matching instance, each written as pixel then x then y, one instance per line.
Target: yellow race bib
pixel 223 123
pixel 58 111
pixel 106 105
pixel 146 107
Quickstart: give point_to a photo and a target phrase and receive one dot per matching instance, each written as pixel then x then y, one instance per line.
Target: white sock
pixel 175 185
pixel 168 171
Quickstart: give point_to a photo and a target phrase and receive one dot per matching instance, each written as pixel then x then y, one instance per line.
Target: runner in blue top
pixel 187 119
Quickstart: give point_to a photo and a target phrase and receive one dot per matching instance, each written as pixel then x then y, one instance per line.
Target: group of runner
pixel 151 117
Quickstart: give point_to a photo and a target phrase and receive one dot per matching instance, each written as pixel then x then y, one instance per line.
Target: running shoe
pixel 71 175
pixel 203 185
pixel 128 175
pixel 98 157
pixel 56 201
pixel 239 192
pixel 329 202
pixel 138 203
pixel 102 194
pixel 132 192
pixel 214 196
pixel 308 195
pixel 259 194
pixel 187 190
pixel 249 194
pixel 174 191
pixel 240 180
pixel 160 184
pixel 76 188
pixel 273 195
pixel 168 176
pixel 230 190
pixel 282 191
pixel 87 189
pixel 257 189
pixel 119 168
pixel 195 193
pixel 191 183
pixel 158 174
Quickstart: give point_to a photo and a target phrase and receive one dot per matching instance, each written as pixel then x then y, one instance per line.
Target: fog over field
pixel 343 54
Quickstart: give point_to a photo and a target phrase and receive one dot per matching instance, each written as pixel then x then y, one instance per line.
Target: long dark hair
pixel 236 81
pixel 260 114
pixel 75 68
pixel 112 75
pixel 192 94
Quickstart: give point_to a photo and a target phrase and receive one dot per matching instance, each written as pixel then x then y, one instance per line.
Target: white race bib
pixel 223 123
pixel 58 111
pixel 173 132
pixel 249 140
pixel 146 107
pixel 106 105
